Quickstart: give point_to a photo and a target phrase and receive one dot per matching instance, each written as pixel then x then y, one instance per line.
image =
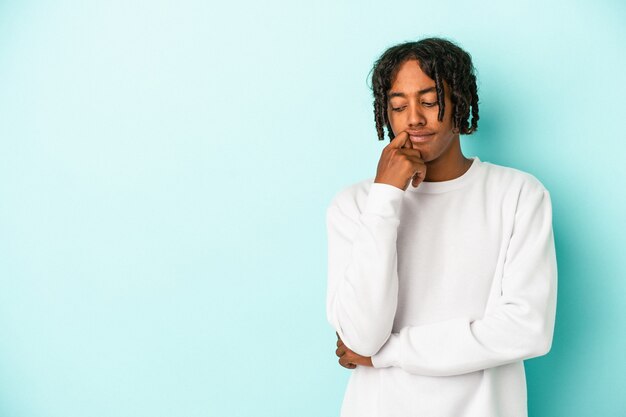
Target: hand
pixel 401 163
pixel 349 359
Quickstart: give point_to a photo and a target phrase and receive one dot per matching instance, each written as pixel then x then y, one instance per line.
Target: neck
pixel 449 166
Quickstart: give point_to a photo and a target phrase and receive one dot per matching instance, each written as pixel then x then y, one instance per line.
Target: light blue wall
pixel 165 169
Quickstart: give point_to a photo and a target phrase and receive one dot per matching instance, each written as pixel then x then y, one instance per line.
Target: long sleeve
pixel 517 325
pixel 362 291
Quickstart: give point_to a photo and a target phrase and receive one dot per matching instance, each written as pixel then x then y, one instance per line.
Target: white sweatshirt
pixel 448 286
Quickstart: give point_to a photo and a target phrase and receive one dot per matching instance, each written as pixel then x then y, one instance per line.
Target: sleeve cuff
pixel 389 354
pixel 384 200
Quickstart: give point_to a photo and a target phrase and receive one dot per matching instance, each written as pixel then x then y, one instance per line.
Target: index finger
pixel 401 140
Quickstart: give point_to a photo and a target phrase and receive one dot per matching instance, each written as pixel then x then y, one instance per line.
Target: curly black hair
pixel 440 59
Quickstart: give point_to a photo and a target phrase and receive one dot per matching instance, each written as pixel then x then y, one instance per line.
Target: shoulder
pixel 351 198
pixel 521 192
pixel 513 180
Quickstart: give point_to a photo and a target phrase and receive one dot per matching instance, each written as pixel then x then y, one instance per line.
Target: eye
pixel 397 108
pixel 430 104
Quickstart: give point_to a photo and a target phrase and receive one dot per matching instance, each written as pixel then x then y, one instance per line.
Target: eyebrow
pixel 420 92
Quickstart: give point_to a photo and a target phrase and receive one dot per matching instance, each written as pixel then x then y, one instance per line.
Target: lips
pixel 419 132
pixel 420 136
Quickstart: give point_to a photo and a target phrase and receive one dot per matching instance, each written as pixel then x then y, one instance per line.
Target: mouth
pixel 417 138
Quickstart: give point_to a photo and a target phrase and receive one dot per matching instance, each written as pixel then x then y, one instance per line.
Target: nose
pixel 416 116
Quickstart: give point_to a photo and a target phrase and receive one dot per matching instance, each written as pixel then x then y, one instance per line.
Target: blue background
pixel 165 167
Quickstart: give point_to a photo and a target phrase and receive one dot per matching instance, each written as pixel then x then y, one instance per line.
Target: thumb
pixel 415 180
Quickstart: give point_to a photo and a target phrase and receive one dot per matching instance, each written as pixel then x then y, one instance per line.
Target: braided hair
pixel 441 60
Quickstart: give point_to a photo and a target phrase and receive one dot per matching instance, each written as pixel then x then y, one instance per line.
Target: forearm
pixel 518 322
pixel 362 269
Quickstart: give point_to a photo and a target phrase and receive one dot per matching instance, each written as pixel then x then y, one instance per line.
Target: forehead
pixel 409 79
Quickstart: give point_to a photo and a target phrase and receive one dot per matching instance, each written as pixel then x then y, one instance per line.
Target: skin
pixel 349 359
pixel 404 160
pixel 438 159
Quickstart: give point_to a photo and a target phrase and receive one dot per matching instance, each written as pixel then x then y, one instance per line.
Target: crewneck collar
pixel 443 186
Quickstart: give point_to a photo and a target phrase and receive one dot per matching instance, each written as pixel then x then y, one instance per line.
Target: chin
pixel 426 154
pixel 428 157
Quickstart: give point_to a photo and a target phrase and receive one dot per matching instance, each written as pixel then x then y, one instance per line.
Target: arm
pixel 362 292
pixel 518 325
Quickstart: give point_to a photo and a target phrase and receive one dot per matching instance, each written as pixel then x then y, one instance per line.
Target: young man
pixel 442 272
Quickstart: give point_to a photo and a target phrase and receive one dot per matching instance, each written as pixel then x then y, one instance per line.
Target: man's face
pixel 412 106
